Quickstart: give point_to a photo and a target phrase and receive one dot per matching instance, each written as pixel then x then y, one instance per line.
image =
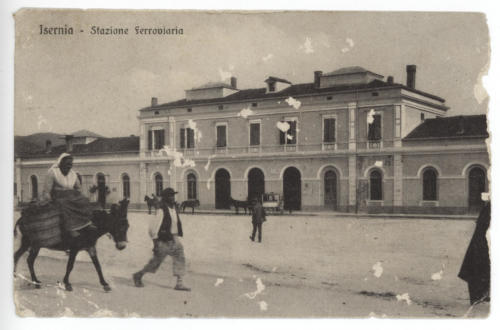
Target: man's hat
pixel 168 192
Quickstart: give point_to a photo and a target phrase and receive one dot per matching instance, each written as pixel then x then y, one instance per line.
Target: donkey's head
pixel 120 225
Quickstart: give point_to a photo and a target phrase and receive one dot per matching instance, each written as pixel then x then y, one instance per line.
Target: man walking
pixel 258 217
pixel 165 231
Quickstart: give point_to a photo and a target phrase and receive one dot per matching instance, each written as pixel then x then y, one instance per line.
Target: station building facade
pixel 349 141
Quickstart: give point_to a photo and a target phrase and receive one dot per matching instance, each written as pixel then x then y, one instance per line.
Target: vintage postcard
pixel 206 164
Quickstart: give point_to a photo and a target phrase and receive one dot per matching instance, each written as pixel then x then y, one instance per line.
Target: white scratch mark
pixel 404 297
pixel 344 50
pixel 379 163
pixel 263 306
pixel 293 102
pixel 377 269
pixel 267 57
pixel 179 160
pixel 274 269
pixel 437 276
pixel 60 291
pixel 283 126
pixel 197 133
pixel 68 312
pixel 396 278
pixel 207 165
pixel 225 74
pixel 244 113
pixel 307 46
pixel 103 313
pixel 369 116
pixel 350 42
pixel 289 137
pixel 260 288
pixel 219 281
pixel 480 92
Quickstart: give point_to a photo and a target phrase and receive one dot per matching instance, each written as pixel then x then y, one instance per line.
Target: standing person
pixel 165 234
pixel 258 217
pixel 476 266
pixel 64 189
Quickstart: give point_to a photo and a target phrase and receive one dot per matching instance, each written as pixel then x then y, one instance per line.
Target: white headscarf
pixel 67 181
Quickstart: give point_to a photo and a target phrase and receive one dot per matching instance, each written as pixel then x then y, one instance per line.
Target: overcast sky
pixel 83 81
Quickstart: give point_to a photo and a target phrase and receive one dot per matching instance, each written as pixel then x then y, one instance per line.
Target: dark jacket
pixel 165 234
pixel 258 214
pixel 476 264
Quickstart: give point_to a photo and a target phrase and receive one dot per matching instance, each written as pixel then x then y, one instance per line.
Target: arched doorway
pixel 256 185
pixel 158 184
pixel 222 189
pixel 477 185
pixel 330 188
pixel 34 187
pixel 191 186
pixel 101 189
pixel 376 188
pixel 292 189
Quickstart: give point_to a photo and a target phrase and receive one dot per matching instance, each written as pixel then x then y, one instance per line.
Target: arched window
pixel 126 185
pixel 191 186
pixel 429 184
pixel 158 184
pixel 375 185
pixel 34 187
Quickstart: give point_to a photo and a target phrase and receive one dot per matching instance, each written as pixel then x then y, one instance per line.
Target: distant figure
pixel 258 217
pixel 192 203
pixel 475 268
pixel 246 205
pixel 152 202
pixel 165 231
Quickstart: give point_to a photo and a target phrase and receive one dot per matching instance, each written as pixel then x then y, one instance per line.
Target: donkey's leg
pixel 93 255
pixel 23 248
pixel 69 268
pixel 31 265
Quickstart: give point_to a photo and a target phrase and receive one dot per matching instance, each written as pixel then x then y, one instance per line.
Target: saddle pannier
pixel 42 224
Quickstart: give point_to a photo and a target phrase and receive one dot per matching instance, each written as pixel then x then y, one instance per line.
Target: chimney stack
pixel 317 76
pixel 390 80
pixel 154 101
pixel 411 73
pixel 48 146
pixel 234 82
pixel 69 143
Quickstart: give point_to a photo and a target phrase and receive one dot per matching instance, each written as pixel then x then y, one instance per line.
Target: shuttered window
pixel 255 134
pixel 375 128
pixel 221 136
pixel 329 130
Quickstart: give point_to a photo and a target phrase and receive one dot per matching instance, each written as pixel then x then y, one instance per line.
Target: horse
pixel 192 203
pixel 152 202
pixel 243 204
pixel 114 223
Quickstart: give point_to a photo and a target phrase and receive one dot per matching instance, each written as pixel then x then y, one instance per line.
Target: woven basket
pixel 44 227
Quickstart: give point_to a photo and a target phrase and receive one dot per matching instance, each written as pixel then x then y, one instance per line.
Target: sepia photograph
pixel 250 164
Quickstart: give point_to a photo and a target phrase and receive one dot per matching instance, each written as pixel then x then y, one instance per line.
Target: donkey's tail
pixel 15 226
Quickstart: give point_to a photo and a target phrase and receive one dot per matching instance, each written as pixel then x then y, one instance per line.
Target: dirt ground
pixel 316 266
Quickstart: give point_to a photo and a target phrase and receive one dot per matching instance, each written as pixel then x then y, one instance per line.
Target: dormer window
pixel 272 86
pixel 254 105
pixel 220 107
pixel 189 109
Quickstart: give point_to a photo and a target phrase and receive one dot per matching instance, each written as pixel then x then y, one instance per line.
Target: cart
pixel 272 203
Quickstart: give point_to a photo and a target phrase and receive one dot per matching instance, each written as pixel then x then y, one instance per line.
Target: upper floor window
pixel 126 185
pixel 329 129
pixel 187 138
pixel 255 133
pixel 290 136
pixel 221 135
pixel 429 184
pixel 374 127
pixel 156 138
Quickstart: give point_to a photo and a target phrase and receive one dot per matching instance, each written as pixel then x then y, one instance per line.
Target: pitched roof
pixel 292 90
pixel 271 78
pixel 22 147
pixel 450 127
pixel 212 85
pixel 101 145
pixel 350 70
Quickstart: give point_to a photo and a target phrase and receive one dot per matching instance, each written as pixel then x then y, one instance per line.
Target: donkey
pixel 114 223
pixel 243 204
pixel 152 202
pixel 192 203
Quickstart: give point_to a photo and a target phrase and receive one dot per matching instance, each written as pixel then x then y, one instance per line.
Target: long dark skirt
pixel 475 268
pixel 75 208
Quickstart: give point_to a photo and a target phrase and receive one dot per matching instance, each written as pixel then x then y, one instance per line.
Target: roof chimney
pixel 69 143
pixel 48 146
pixel 154 101
pixel 390 80
pixel 317 76
pixel 234 82
pixel 411 73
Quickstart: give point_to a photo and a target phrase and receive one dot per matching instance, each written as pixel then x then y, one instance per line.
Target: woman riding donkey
pixel 63 188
